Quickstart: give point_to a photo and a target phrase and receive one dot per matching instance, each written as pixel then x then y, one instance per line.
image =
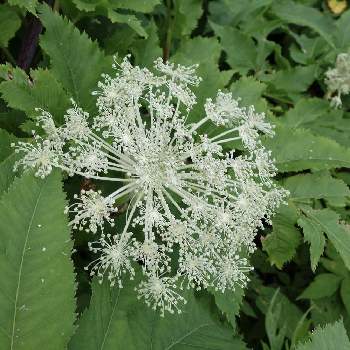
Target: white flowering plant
pixel 186 191
pixel 174 175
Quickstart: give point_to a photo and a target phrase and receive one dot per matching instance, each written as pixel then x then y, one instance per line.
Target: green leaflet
pixel 39 90
pixel 240 48
pixel 229 302
pixel 302 15
pixel 327 221
pixel 109 8
pixel 5 144
pixel 317 185
pixel 324 285
pixel 305 110
pixel 134 5
pixel 282 243
pixel 194 51
pixel 299 149
pixel 37 273
pixel 76 61
pixel 9 24
pixel 7 175
pixel 29 5
pixel 120 321
pixel 314 236
pixel 183 23
pixel 332 336
pixel 146 51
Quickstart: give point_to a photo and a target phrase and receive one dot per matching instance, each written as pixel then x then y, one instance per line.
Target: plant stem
pixel 168 38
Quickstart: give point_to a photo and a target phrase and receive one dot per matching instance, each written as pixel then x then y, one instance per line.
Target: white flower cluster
pixel 338 79
pixel 190 194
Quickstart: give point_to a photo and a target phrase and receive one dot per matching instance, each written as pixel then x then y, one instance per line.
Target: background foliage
pixel 270 53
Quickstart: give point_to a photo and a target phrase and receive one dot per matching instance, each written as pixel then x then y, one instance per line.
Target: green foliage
pixel 270 54
pixel 37 273
pixel 281 244
pixel 9 24
pixel 121 322
pixel 76 61
pixel 332 336
pixel 292 12
pixel 39 90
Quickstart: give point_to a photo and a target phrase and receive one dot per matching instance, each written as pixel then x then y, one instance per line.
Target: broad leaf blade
pixel 37 273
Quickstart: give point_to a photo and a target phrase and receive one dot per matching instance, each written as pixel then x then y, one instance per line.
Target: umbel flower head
pixel 188 193
pixel 338 79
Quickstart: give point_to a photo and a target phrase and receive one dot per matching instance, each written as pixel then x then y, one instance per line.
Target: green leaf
pixel 305 110
pixel 187 15
pixel 276 332
pixel 250 92
pixel 302 15
pixel 76 61
pixel 195 51
pixel 131 20
pixel 39 90
pixel 327 221
pixel 7 175
pixel 290 81
pixel 5 144
pixel 345 293
pixel 282 243
pixel 296 150
pixel 146 51
pixel 332 336
pixel 29 5
pixel 120 321
pixel 9 24
pixel 229 302
pixel 316 185
pixel 109 8
pixel 240 48
pixel 290 313
pixel 134 5
pixel 314 236
pixel 35 265
pixel 324 285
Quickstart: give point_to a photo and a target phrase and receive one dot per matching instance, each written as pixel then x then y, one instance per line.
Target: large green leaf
pixel 9 24
pixel 39 90
pixel 76 61
pixel 37 280
pixel 120 321
pixel 299 149
pixel 332 336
